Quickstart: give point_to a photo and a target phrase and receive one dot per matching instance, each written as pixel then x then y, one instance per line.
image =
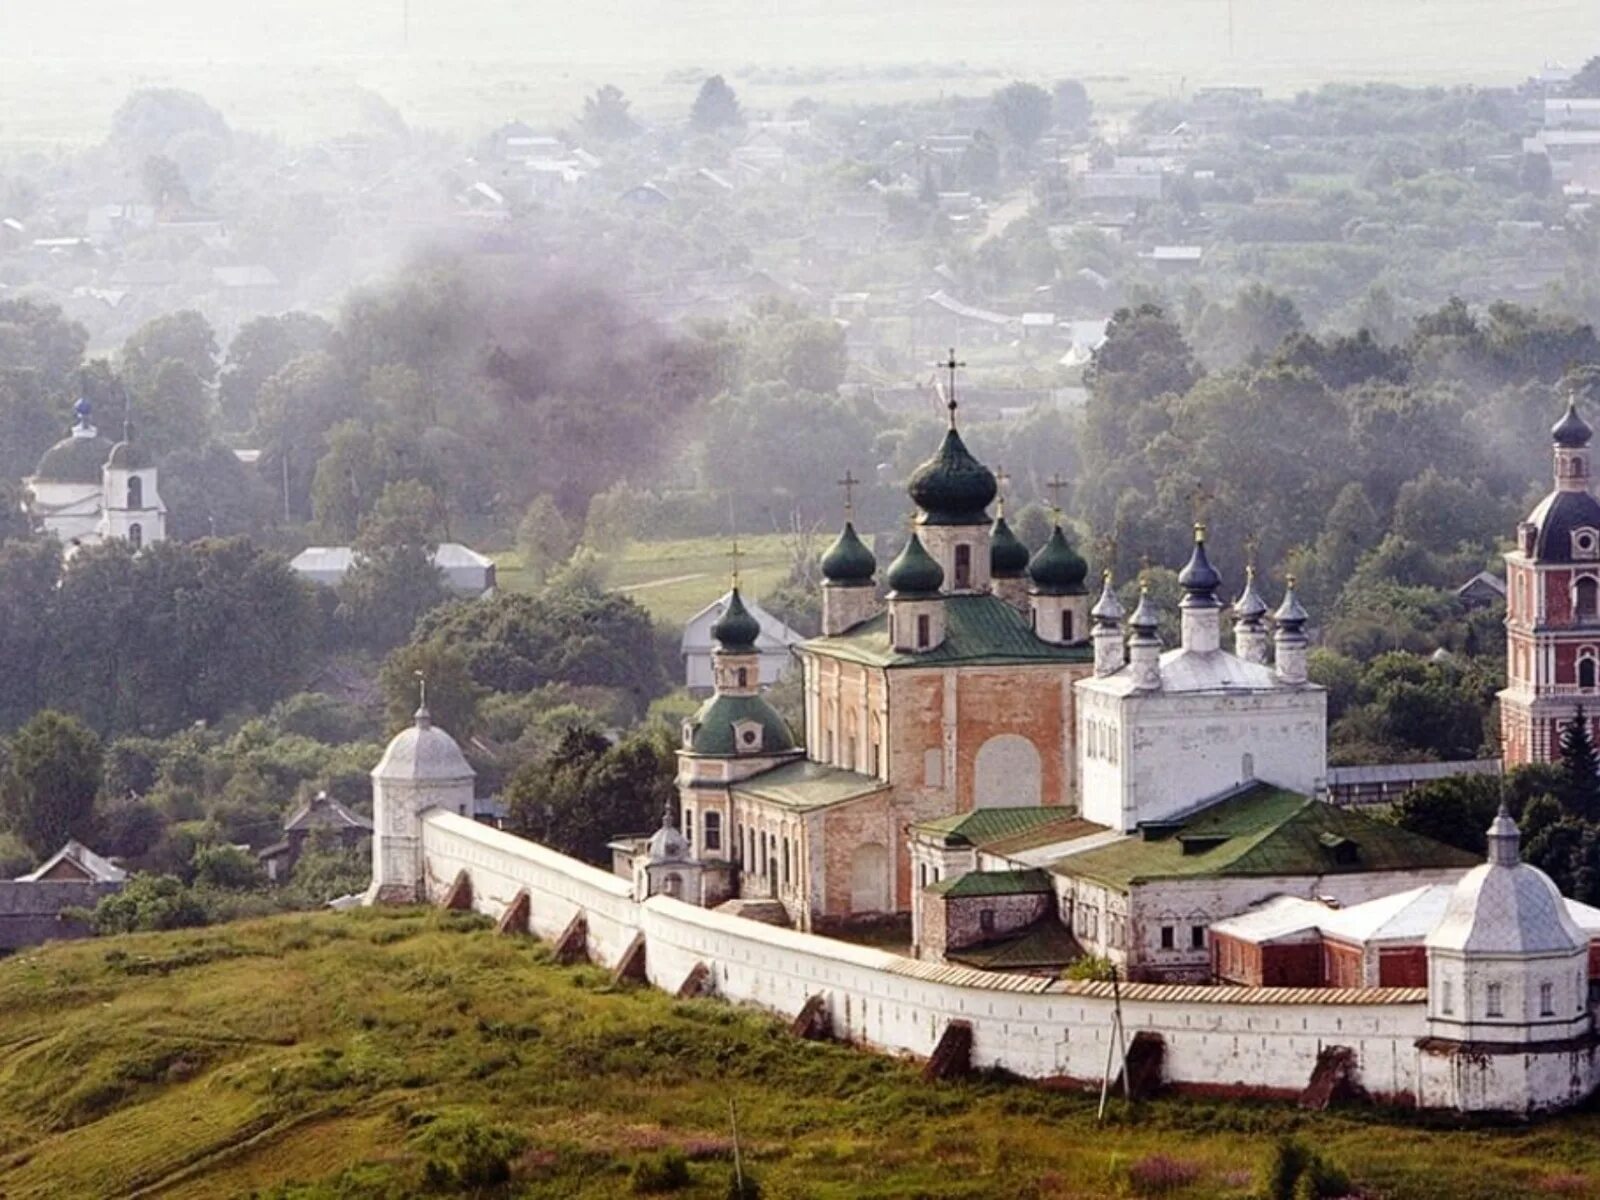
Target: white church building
pixel 88 489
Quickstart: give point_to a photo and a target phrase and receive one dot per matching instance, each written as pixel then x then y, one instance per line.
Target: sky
pixel 67 62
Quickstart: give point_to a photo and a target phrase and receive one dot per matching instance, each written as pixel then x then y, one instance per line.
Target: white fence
pixel 1256 1041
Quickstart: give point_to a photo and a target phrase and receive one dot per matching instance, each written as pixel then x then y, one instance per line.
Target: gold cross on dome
pixel 849 483
pixel 952 366
pixel 1001 482
pixel 736 554
pixel 1055 486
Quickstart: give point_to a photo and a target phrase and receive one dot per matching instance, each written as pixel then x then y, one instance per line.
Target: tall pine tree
pixel 1580 769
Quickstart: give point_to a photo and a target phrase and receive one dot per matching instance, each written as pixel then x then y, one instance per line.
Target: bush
pixel 226 867
pixel 664 1172
pixel 463 1152
pixel 1090 968
pixel 1159 1174
pixel 749 1190
pixel 1296 1172
pixel 148 902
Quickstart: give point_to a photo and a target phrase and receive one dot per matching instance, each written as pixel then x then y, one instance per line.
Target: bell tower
pixel 1553 607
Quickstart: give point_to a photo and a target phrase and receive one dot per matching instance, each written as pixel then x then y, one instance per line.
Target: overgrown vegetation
pixel 380 1055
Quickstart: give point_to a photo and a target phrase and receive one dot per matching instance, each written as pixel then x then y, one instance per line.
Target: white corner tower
pixel 1510 1027
pixel 131 508
pixel 422 768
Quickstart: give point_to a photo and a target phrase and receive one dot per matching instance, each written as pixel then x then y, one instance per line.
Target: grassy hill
pixel 382 1055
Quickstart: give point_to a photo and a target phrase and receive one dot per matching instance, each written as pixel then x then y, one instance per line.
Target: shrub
pixel 664 1172
pixel 464 1152
pixel 148 902
pixel 748 1189
pixel 1159 1174
pixel 1296 1172
pixel 1090 968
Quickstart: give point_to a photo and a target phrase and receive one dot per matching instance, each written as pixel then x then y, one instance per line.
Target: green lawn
pixel 347 1052
pixel 676 579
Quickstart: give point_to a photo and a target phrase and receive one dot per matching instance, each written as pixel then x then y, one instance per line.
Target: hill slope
pixel 340 1056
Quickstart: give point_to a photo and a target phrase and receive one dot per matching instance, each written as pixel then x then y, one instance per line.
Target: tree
pixel 51 782
pixel 394 582
pixel 1023 110
pixel 1072 104
pixel 979 166
pixel 163 182
pixel 1580 769
pixel 545 537
pixel 186 336
pixel 150 119
pixel 261 349
pixel 579 798
pixel 605 115
pixel 148 902
pixel 360 463
pixel 1586 83
pixel 715 107
pixel 1456 811
pixel 36 337
pixel 172 409
pixel 453 696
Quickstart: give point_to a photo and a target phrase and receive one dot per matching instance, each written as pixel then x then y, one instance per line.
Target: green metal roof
pixel 713 726
pixel 1265 830
pixel 979 631
pixel 1046 944
pixel 806 785
pixel 993 883
pixel 74 460
pixel 984 825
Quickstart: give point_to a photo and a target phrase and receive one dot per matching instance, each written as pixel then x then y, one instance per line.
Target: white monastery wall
pixel 1223 1039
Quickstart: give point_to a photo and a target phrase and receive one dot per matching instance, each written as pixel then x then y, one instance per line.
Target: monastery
pixel 1033 779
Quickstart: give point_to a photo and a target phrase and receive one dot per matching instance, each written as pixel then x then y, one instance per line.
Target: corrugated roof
pixel 993 883
pixel 956 975
pixel 806 785
pixel 1045 943
pixel 979 631
pixel 1265 830
pixel 1405 772
pixel 982 826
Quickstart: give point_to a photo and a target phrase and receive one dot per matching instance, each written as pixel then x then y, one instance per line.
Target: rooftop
pixel 979 631
pixel 1264 830
pixel 993 883
pixel 807 785
pixel 1007 828
pixel 1047 944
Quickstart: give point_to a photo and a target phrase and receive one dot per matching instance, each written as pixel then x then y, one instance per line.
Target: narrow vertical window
pixel 1493 1004
pixel 1547 1000
pixel 963 566
pixel 1066 625
pixel 924 631
pixel 135 492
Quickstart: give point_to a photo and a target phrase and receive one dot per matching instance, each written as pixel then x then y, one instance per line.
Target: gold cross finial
pixel 848 483
pixel 736 554
pixel 1001 482
pixel 422 690
pixel 1055 486
pixel 1200 531
pixel 951 365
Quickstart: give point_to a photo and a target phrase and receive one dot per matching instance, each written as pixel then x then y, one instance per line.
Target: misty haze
pixel 814 600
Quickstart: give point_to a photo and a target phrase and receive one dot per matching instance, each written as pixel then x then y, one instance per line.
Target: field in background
pixel 471 64
pixel 213 1062
pixel 673 580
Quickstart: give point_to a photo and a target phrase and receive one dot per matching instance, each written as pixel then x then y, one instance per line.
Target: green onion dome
pixel 1008 557
pixel 914 572
pixel 848 561
pixel 736 630
pixel 1058 569
pixel 1572 430
pixel 952 487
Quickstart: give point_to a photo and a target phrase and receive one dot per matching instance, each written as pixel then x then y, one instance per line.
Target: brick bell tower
pixel 1553 608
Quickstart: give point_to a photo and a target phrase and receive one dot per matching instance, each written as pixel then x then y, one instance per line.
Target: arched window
pixel 1586 673
pixel 713 831
pixel 1586 598
pixel 136 535
pixel 744 676
pixel 135 492
pixel 963 566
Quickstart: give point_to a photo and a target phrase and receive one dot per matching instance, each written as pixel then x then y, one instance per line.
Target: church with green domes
pixel 939 685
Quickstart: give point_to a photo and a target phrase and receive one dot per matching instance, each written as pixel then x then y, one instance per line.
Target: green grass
pixel 675 579
pixel 343 1053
